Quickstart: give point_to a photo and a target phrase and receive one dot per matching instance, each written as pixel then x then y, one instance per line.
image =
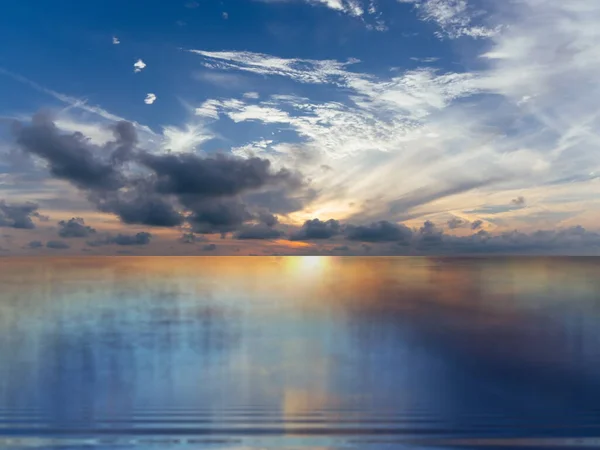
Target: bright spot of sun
pixel 304 266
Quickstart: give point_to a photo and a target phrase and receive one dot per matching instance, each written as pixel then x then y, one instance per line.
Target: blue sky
pixel 448 124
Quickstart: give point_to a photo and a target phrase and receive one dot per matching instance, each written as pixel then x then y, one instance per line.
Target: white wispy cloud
pixel 436 144
pixel 116 40
pixel 150 98
pixel 454 17
pixel 139 66
pixel 354 8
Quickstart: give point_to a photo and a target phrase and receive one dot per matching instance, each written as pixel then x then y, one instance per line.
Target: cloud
pixel 74 228
pixel 355 8
pixel 18 215
pixel 150 99
pixel 35 245
pixel 142 238
pixel 192 4
pixel 69 156
pixel 454 17
pixel 519 201
pixel 191 238
pixel 213 194
pixel 382 231
pixel 476 225
pixel 188 174
pixel 57 245
pixel 317 229
pixel 225 15
pixel 115 40
pixel 252 95
pixel 456 222
pixel 138 66
pixel 260 231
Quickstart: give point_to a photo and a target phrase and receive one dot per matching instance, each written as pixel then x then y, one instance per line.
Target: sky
pixel 312 127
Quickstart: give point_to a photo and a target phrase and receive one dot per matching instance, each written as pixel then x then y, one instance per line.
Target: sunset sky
pixel 313 127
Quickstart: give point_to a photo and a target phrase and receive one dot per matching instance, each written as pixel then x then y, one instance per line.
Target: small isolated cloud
pixel 252 95
pixel 209 247
pixel 455 222
pixel 115 40
pixel 150 98
pixel 476 225
pixel 74 228
pixel 519 201
pixel 225 15
pixel 429 59
pixel 139 66
pixel 18 215
pixel 191 238
pixel 142 238
pixel 35 244
pixel 57 245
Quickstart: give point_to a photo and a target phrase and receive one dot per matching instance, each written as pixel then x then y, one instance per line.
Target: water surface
pixel 299 353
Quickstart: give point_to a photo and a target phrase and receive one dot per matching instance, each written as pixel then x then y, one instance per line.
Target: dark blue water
pixel 299 353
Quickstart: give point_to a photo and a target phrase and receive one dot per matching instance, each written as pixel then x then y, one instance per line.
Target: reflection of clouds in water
pixel 465 350
pixel 445 339
pixel 108 349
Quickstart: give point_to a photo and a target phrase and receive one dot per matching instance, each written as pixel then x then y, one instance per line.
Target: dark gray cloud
pixel 341 248
pixel 74 228
pixel 142 238
pixel 476 225
pixel 209 247
pixel 140 205
pixel 125 141
pixel 35 244
pixel 188 174
pixel 429 239
pixel 218 215
pixel 428 236
pixel 69 156
pixel 57 245
pixel 18 215
pixel 382 231
pixel 267 218
pixel 519 201
pixel 456 222
pixel 317 229
pixel 214 194
pixel 191 238
pixel 265 229
pixel 259 231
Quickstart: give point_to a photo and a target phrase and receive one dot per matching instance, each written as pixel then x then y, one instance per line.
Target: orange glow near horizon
pixel 293 244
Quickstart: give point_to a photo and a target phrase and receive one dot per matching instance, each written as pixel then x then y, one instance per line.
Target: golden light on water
pixel 307 265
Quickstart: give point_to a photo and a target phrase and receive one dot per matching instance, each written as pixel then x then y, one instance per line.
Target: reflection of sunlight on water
pixel 308 265
pixel 297 348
